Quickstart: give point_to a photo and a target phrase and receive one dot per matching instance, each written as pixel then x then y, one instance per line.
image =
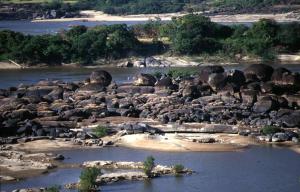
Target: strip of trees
pixel 188 35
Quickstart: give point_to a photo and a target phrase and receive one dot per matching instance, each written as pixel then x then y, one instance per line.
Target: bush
pixel 157 74
pixel 178 168
pixel 269 130
pixel 174 73
pixel 149 166
pixel 54 188
pixel 100 131
pixel 88 179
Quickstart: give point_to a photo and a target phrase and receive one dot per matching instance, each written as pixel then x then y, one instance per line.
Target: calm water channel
pixel 257 169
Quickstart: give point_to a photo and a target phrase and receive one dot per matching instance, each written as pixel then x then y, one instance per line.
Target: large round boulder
pixel 236 77
pixel 284 77
pixel 205 71
pixel 217 81
pixel 100 77
pixel 145 80
pixel 261 71
pixel 165 83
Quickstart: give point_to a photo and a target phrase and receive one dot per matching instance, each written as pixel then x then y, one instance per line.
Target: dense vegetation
pixel 246 4
pixel 159 6
pixel 188 35
pixel 76 45
pixel 169 6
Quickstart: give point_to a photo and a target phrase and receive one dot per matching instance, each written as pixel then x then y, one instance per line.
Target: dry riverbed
pixel 92 15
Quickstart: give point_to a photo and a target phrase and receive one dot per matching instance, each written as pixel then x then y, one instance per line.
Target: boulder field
pixel 255 97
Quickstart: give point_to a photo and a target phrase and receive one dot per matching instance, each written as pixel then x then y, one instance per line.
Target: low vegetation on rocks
pixel 270 130
pixel 149 165
pixel 100 131
pixel 178 169
pixel 88 178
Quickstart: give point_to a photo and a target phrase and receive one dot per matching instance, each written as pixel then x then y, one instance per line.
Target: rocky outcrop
pixel 261 72
pixel 213 96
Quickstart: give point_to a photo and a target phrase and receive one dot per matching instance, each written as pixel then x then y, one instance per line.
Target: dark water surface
pixel 38 28
pixel 13 77
pixel 258 169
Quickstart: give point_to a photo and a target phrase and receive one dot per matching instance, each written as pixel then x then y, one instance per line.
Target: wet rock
pixel 261 71
pixel 249 97
pixel 217 80
pixel 236 77
pixel 190 91
pixel 22 114
pixel 295 140
pixel 284 77
pixel 126 64
pixel 205 71
pixel 279 137
pixel 145 80
pixel 291 120
pixel 265 104
pixel 93 87
pixel 58 157
pixel 139 63
pixel 55 94
pixel 165 83
pixel 101 77
pixel 152 62
pixel 135 89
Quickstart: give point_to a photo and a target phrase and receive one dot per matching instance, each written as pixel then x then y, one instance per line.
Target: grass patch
pixel 270 130
pixel 178 169
pixel 100 131
pixel 183 72
pixel 54 188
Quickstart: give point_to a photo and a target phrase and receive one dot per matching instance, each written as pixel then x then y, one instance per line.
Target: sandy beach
pixel 173 142
pixel 92 15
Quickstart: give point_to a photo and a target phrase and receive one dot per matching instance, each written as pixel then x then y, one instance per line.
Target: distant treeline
pixel 188 35
pixel 169 6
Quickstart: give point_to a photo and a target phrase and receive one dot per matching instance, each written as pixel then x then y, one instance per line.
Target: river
pixel 14 77
pixel 38 28
pixel 257 169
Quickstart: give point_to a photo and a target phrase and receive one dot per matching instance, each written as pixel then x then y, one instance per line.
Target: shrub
pixel 174 73
pixel 269 130
pixel 54 188
pixel 100 131
pixel 178 168
pixel 149 165
pixel 157 74
pixel 88 179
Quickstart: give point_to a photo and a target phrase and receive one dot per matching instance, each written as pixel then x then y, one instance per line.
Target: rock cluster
pixel 258 96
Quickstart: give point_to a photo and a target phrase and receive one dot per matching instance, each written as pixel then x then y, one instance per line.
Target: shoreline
pixel 172 61
pixel 92 15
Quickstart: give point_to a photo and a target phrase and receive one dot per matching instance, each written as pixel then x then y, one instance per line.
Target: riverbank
pixel 92 15
pixel 166 61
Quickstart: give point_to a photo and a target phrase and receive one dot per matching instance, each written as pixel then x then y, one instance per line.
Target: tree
pixel 193 34
pixel 88 179
pixel 149 166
